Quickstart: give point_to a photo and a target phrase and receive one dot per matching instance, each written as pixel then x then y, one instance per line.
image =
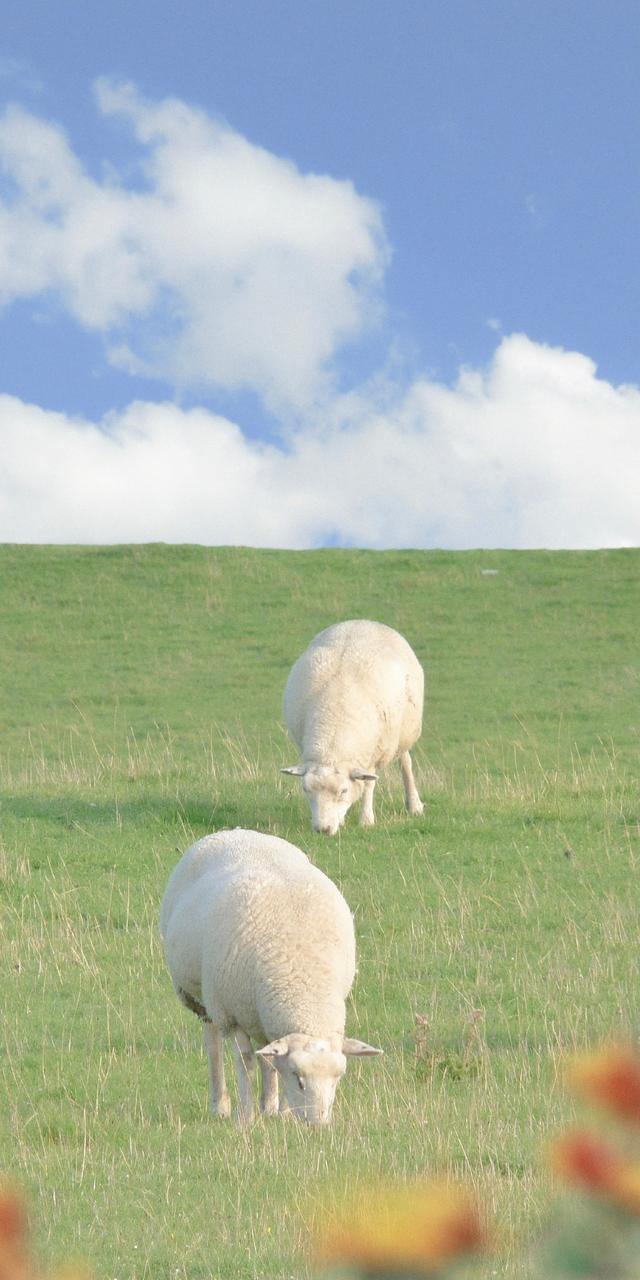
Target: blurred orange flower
pixel 396 1229
pixel 610 1075
pixel 14 1260
pixel 13 1216
pixel 587 1162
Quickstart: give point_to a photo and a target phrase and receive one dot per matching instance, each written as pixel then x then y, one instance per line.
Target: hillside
pixel 140 708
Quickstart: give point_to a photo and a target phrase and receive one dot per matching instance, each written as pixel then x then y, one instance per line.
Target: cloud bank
pixel 224 266
pixel 213 264
pixel 534 451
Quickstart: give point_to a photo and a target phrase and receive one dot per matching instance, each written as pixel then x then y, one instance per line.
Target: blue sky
pixel 290 273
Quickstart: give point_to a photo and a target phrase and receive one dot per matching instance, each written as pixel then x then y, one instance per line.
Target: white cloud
pixel 534 451
pixel 218 264
pixel 225 267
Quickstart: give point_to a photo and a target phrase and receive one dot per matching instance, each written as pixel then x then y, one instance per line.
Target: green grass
pixel 140 708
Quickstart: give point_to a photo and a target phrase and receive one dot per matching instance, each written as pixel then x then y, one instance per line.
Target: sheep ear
pixel 361 775
pixel 277 1049
pixel 297 770
pixel 358 1049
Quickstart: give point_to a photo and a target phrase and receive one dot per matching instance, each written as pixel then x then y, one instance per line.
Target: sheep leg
pixel 367 818
pixel 245 1061
pixel 412 799
pixel 213 1043
pixel 269 1090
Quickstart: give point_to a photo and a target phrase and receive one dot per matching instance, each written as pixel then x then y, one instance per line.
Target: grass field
pixel 140 708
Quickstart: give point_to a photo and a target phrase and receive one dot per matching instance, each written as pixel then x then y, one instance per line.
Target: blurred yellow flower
pixel 626 1190
pixel 394 1229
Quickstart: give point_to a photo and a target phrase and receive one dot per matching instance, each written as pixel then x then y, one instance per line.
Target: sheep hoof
pixel 221 1110
pixel 271 1109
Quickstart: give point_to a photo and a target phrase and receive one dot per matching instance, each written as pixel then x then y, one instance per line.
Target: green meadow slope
pixel 140 708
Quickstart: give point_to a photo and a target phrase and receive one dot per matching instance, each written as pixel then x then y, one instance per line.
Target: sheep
pixel 260 944
pixel 352 703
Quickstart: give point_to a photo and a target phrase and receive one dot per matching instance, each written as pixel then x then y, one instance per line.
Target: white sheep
pixel 260 944
pixel 352 703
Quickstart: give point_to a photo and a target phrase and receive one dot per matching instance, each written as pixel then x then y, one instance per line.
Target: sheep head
pixel 331 791
pixel 310 1069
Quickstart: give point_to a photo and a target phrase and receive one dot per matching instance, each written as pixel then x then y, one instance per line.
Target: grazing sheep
pixel 352 703
pixel 260 944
